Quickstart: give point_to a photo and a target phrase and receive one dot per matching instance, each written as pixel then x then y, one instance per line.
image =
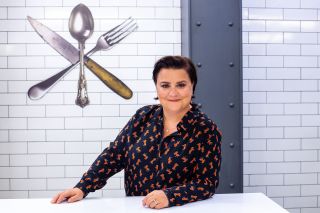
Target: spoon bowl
pixel 81 23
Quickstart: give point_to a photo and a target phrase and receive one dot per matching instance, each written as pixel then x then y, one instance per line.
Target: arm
pixel 108 163
pixel 206 178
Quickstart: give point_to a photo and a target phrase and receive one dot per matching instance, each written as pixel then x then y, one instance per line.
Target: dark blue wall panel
pixel 211 36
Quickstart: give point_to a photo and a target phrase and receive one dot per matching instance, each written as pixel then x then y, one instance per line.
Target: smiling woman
pixel 171 152
pixel 176 79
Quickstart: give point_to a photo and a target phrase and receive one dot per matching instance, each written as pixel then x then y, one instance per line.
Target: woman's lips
pixel 174 100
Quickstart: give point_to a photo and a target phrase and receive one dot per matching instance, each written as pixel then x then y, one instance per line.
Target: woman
pixel 170 152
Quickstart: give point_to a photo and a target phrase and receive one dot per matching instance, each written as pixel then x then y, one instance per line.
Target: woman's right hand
pixel 71 195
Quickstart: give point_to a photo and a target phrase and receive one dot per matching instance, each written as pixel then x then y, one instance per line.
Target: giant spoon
pixel 81 28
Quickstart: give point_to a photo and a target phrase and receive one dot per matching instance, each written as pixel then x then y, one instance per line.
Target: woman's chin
pixel 174 107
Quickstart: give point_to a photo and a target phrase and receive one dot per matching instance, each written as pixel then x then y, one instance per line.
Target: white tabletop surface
pixel 220 203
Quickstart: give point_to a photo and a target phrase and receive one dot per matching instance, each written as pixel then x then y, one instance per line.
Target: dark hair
pixel 176 62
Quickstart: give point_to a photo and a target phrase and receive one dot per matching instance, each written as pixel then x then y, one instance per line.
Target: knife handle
pixel 108 79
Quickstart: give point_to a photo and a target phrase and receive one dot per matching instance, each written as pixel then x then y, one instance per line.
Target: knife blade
pixel 67 50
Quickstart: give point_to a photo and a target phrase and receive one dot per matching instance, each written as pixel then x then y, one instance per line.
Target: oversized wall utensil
pixel 81 27
pixel 68 51
pixel 105 42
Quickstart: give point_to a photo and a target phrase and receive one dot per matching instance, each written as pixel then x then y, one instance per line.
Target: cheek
pixel 159 90
pixel 161 93
pixel 187 92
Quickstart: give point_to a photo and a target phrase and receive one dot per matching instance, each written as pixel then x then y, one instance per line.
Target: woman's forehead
pixel 168 74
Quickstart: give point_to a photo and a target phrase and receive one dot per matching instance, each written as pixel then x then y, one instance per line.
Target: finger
pixel 152 205
pixel 74 198
pixel 64 195
pixel 159 206
pixel 55 198
pixel 144 201
pixel 150 201
pixel 60 198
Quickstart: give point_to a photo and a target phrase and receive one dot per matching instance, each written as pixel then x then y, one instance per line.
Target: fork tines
pixel 116 34
pixel 117 37
pixel 121 27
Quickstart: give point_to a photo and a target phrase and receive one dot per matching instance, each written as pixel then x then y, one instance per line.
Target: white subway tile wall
pixel 281 114
pixel 46 145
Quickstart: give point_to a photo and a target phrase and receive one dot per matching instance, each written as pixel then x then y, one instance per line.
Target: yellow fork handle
pixel 108 79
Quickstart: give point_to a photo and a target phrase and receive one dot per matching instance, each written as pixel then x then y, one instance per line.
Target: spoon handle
pixel 108 79
pixel 82 99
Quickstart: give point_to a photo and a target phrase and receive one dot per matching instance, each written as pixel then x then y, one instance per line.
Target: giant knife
pixel 67 50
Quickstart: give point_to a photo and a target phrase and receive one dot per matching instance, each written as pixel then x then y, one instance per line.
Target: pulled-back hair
pixel 176 62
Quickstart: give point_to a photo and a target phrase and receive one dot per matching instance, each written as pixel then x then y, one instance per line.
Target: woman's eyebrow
pixel 181 82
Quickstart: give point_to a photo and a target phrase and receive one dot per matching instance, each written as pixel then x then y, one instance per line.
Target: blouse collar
pixel 186 124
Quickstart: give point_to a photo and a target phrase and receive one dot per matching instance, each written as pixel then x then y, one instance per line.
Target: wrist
pixel 84 194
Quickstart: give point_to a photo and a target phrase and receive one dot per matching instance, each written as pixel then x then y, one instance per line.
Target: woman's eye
pixel 181 85
pixel 165 86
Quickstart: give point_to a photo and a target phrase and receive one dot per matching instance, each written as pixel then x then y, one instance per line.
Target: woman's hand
pixel 71 195
pixel 156 199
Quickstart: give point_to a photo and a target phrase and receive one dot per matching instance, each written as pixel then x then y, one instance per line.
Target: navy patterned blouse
pixel 185 164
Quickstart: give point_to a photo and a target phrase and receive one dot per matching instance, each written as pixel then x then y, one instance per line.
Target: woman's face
pixel 174 89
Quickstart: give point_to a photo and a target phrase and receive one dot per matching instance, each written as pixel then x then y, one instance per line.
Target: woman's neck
pixel 171 120
pixel 174 117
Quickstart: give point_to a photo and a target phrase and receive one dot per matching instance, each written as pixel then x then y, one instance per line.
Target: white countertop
pixel 219 203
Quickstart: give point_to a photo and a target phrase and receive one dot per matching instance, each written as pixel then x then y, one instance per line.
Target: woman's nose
pixel 173 92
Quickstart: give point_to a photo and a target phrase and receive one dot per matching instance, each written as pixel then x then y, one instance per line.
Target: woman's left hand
pixel 156 199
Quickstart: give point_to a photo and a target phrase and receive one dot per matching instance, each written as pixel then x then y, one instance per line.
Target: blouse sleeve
pixel 108 163
pixel 206 178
